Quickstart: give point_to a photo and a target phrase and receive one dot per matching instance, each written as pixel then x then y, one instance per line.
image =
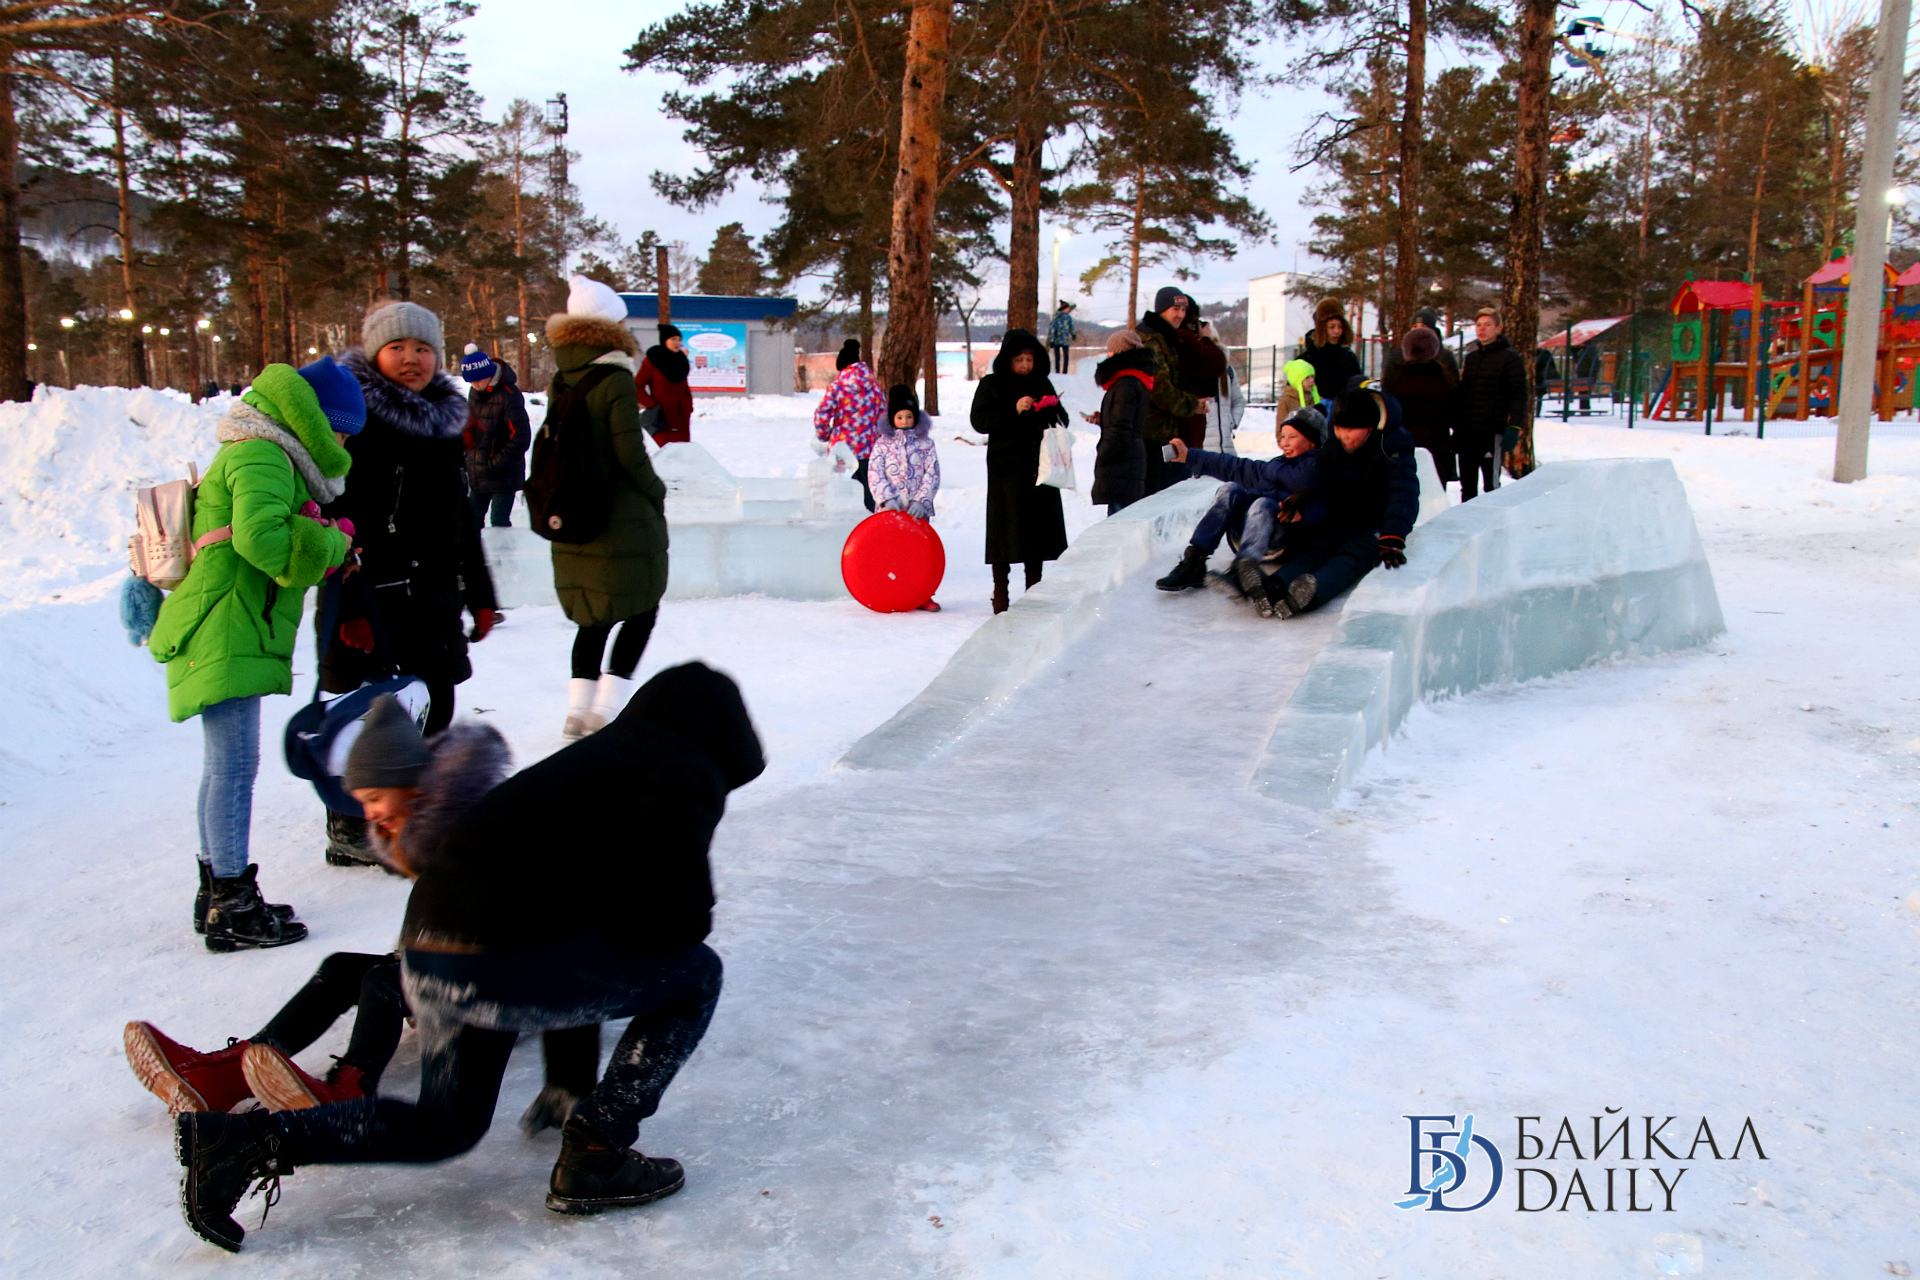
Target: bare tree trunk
pixel 257 307
pixel 866 322
pixel 1526 228
pixel 287 319
pixel 1406 262
pixel 930 364
pixel 1023 241
pixel 923 91
pixel 1133 248
pixel 136 342
pixel 663 285
pixel 13 283
pixel 196 372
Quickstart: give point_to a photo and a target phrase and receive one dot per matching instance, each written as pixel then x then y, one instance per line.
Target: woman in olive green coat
pixel 618 577
pixel 226 633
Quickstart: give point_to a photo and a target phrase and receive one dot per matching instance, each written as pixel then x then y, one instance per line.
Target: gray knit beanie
pixel 389 751
pixel 393 321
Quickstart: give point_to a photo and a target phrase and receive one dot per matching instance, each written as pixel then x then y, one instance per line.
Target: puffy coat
pixel 1060 330
pixel 1202 365
pixel 1493 389
pixel 905 466
pixel 420 553
pixel 228 630
pixel 623 571
pixel 1374 489
pixel 640 800
pixel 1170 407
pixel 1120 459
pixel 852 410
pixel 662 384
pixel 498 435
pixel 1429 396
pixel 1024 520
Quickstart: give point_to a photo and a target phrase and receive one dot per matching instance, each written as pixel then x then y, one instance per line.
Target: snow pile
pixel 69 463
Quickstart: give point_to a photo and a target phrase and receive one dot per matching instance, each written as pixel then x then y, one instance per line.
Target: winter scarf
pixel 466 761
pixel 673 365
pixel 244 422
pixel 1132 363
pixel 437 413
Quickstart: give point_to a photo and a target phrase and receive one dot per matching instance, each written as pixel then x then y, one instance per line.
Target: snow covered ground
pixel 1069 1001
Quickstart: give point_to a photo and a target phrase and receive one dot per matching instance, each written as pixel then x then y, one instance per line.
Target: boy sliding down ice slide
pixel 1258 496
pixel 519 922
pixel 446 778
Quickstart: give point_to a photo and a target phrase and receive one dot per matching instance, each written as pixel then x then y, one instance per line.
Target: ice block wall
pixel 727 535
pixel 1579 563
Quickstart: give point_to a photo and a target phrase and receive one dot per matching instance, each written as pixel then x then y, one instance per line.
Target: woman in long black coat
pixel 1024 521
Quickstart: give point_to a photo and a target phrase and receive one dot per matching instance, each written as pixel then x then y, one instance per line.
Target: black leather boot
pixel 238 918
pixel 593 1174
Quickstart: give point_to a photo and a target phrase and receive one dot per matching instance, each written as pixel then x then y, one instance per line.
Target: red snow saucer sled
pixel 893 563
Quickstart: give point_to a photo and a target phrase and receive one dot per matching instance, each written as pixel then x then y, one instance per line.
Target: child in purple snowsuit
pixel 904 469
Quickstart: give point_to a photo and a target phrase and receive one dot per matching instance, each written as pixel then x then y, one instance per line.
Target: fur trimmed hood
pixel 567 330
pixel 467 761
pixel 437 413
pixel 244 422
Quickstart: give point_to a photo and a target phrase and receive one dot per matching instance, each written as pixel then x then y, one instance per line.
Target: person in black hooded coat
pixel 495 943
pixel 1120 460
pixel 1025 524
pixel 661 384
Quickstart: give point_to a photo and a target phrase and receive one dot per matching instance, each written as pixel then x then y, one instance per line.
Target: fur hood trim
pixel 467 761
pixel 566 330
pixel 439 412
pixel 922 426
pixel 244 422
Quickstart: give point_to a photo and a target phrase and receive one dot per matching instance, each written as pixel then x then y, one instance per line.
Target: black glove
pixel 1393 550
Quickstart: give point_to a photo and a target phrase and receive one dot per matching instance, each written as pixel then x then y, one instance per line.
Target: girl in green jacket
pixel 226 634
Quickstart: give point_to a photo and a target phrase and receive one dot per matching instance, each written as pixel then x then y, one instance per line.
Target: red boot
pixel 186 1079
pixel 281 1085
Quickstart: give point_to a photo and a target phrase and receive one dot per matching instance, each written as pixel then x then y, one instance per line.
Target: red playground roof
pixel 1908 278
pixel 1840 271
pixel 1712 295
pixel 1584 332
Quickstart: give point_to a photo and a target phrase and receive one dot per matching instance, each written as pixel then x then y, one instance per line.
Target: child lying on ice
pixel 1258 495
pixel 904 471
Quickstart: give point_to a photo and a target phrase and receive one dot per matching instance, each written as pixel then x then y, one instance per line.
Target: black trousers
pixel 589 643
pixel 371 984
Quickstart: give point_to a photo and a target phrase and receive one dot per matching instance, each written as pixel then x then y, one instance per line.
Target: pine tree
pixel 732 266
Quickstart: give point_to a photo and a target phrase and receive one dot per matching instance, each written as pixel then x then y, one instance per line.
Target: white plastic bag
pixel 1056 459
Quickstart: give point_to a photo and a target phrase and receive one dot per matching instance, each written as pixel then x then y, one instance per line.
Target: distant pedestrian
pixel 1060 336
pixel 1013 406
pixel 498 436
pixel 1120 459
pixel 851 412
pixel 662 385
pixel 1493 404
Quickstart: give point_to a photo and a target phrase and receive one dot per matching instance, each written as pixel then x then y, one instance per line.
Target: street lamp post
pixel 66 375
pixel 1058 236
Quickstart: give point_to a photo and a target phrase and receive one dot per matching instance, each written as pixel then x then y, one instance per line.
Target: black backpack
pixel 569 485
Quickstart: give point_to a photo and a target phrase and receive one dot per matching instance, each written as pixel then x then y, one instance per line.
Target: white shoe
pixel 609 698
pixel 579 702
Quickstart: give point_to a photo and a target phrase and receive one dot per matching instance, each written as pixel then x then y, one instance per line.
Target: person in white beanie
pixel 616 579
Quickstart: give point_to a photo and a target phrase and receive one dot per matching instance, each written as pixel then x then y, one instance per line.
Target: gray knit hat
pixel 393 321
pixel 389 751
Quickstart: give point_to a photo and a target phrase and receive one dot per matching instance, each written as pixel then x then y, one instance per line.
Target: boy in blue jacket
pixel 1258 496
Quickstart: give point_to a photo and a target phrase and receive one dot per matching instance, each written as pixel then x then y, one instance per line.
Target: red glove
pixel 1393 550
pixel 483 620
pixel 357 634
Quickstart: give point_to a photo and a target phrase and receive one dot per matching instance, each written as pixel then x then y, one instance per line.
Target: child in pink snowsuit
pixel 904 470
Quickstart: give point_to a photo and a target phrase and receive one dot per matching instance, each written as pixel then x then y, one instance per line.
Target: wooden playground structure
pixel 1782 359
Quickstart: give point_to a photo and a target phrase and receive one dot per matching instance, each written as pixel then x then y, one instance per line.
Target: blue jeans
pixel 229 763
pixel 1247 515
pixel 470 1009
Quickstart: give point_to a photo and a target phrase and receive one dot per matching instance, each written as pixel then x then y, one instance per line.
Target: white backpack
pixel 163 547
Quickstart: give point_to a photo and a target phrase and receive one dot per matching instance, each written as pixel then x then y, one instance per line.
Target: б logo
pixel 1442 1163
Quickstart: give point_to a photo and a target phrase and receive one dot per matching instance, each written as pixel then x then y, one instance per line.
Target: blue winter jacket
pixel 1279 477
pixel 1375 489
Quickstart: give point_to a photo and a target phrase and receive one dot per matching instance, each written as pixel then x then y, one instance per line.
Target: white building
pixel 1280 310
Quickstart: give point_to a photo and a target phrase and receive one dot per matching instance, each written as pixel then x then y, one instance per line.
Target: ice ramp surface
pixel 1013 648
pixel 1579 563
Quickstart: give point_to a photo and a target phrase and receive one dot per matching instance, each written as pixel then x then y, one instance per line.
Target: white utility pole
pixel 1867 289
